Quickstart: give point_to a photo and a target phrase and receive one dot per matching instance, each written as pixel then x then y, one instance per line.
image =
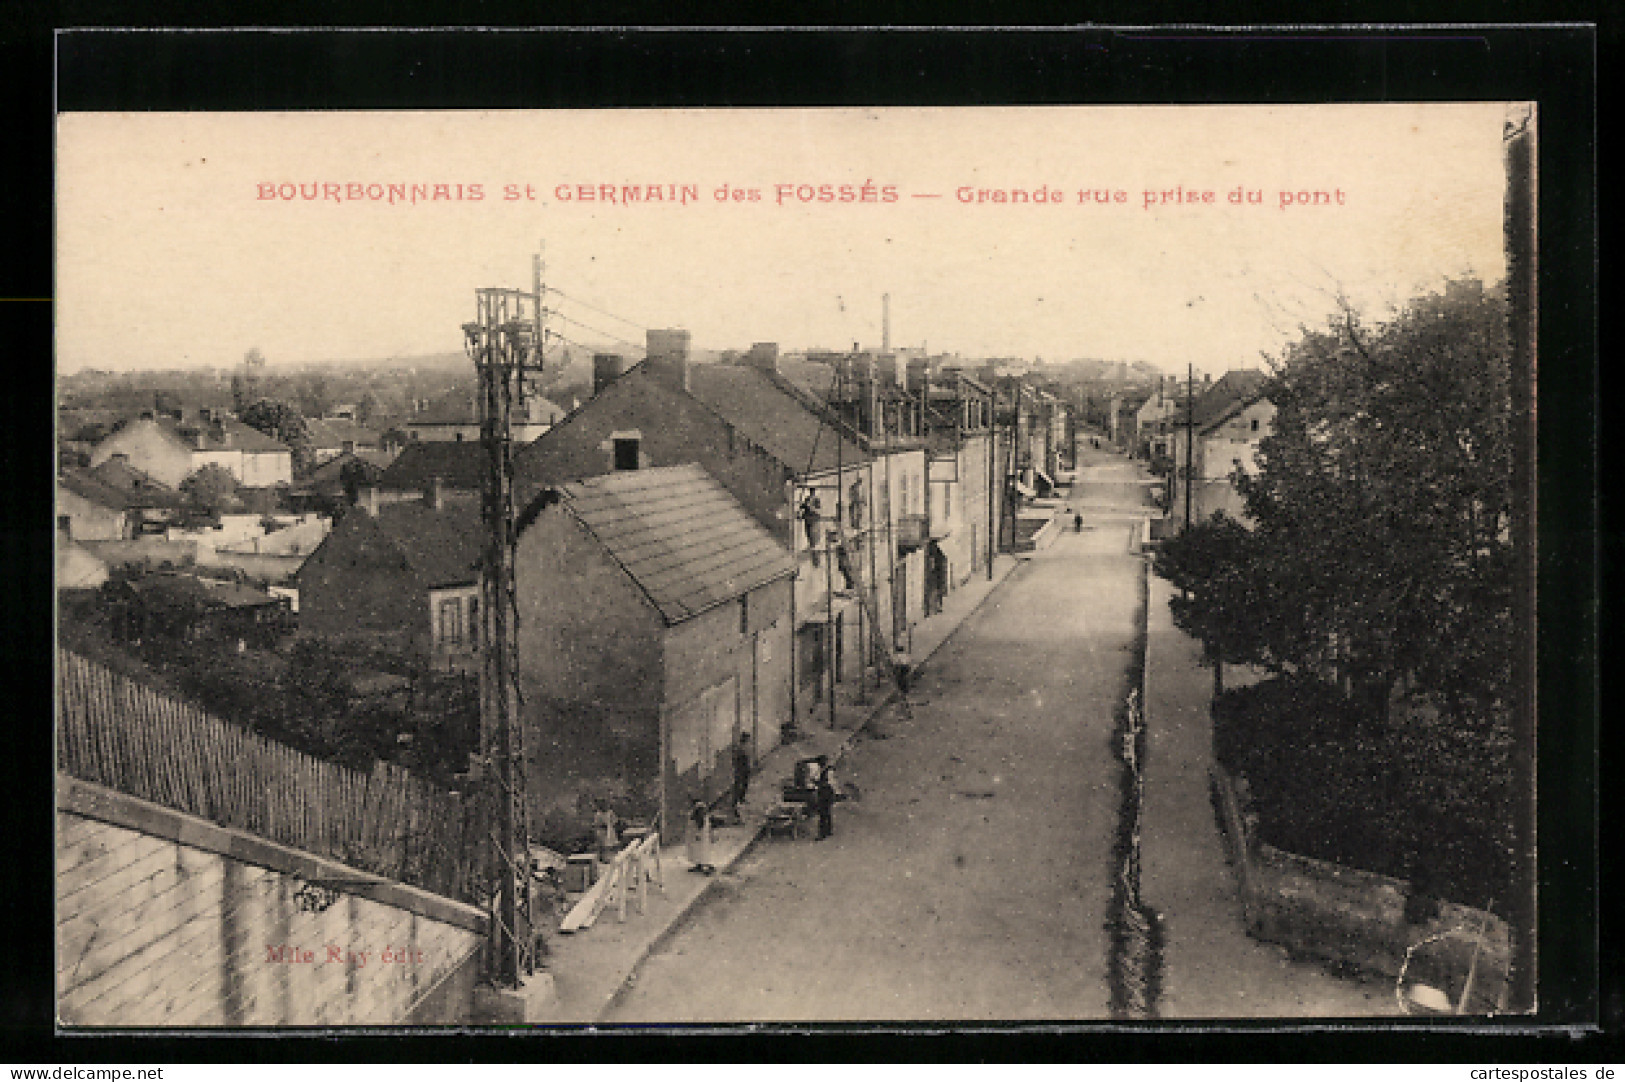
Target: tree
pixel 281 421
pixel 314 399
pixel 1224 594
pixel 211 490
pixel 1383 501
pixel 366 408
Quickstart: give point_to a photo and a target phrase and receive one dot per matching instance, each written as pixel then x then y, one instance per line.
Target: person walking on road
pixel 742 765
pixel 825 798
pixel 699 839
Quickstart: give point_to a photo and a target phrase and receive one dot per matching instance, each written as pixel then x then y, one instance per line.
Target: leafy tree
pixel 352 475
pixel 313 397
pixel 210 489
pixel 1383 502
pixel 281 421
pixel 1224 598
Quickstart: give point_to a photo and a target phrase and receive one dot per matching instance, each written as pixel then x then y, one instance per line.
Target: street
pixel 970 881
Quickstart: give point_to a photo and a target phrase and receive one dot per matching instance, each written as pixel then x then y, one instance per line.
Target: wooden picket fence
pixel 116 732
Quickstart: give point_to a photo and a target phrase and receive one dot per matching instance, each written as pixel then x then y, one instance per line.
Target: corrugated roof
pixel 458 464
pixel 444 547
pixel 767 411
pixel 686 543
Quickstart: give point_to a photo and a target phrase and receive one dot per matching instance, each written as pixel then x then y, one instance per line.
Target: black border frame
pixel 575 67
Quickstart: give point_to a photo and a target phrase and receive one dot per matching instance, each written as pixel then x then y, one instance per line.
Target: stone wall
pixel 164 919
pixel 1357 918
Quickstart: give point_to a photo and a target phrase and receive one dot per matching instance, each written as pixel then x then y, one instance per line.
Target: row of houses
pixel 704 551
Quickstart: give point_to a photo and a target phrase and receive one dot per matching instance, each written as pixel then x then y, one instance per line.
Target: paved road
pixel 970 882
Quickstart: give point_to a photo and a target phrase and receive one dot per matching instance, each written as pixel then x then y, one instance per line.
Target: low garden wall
pixel 1357 918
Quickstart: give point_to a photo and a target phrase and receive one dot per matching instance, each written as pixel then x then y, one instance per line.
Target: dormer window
pixel 626 454
pixel 625 450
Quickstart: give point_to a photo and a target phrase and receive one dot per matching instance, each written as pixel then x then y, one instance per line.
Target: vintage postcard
pixel 896 565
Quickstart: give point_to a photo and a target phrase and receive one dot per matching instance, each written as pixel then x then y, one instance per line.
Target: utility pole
pixel 505 342
pixel 1190 436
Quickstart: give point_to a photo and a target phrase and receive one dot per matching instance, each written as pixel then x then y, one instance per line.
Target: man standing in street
pixel 825 801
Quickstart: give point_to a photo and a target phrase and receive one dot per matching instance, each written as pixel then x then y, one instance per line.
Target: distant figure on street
pixel 604 824
pixel 1077 522
pixel 741 773
pixel 699 839
pixel 902 668
pixel 825 798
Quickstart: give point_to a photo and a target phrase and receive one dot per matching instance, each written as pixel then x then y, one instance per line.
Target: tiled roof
pixel 686 543
pixel 84 484
pixel 444 547
pixel 769 412
pixel 337 431
pixel 1234 388
pixel 458 409
pixel 139 488
pixel 458 464
pixel 203 436
pixel 331 472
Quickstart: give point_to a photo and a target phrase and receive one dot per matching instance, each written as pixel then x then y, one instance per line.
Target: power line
pixel 571 341
pixel 595 308
pixel 595 330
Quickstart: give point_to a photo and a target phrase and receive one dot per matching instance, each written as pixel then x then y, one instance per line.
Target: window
pixel 1255 424
pixel 473 621
pixel 744 614
pixel 451 622
pixel 626 453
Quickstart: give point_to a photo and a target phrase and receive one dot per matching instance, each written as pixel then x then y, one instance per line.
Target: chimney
pixel 367 499
pixel 763 356
pixel 668 356
pixel 606 369
pixel 204 414
pixel 435 497
pixel 217 429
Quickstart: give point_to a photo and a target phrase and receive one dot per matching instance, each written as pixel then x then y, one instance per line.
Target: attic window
pixel 626 452
pixel 1255 424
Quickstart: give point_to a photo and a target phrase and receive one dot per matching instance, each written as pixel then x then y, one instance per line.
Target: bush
pixel 1425 801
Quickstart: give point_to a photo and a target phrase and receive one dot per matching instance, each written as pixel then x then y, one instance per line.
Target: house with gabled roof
pixel 789 461
pixel 89 509
pixel 653 629
pixel 331 437
pixel 404 578
pixel 1226 424
pixel 170 450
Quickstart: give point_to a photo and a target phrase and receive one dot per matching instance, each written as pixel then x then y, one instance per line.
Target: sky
pixel 177 246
